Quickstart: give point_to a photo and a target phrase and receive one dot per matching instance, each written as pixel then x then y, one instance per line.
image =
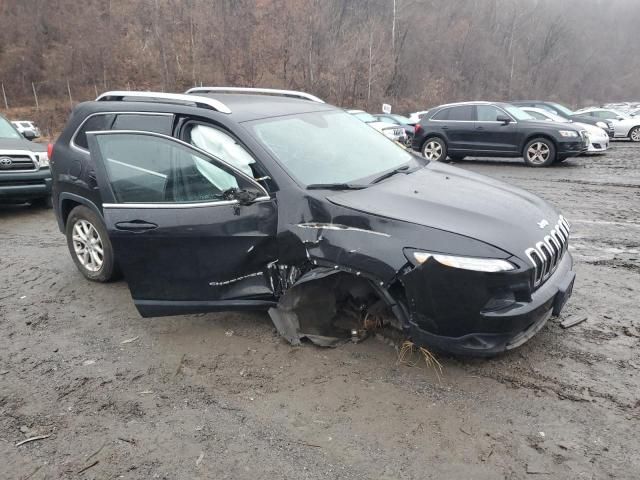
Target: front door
pixel 493 136
pixel 189 232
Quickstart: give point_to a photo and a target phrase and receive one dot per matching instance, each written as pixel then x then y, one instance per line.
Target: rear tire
pixel 634 134
pixel 89 245
pixel 539 152
pixel 434 149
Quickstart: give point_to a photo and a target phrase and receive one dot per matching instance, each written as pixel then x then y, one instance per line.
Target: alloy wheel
pixel 432 150
pixel 88 245
pixel 538 153
pixel 635 135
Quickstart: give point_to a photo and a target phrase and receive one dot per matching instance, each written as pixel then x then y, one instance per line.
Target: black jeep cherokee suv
pixel 484 129
pixel 224 199
pixel 24 168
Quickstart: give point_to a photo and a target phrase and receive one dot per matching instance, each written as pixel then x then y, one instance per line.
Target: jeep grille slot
pixel 547 254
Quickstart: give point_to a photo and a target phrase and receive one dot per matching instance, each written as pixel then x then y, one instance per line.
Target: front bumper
pixel 572 148
pixel 598 144
pixel 486 332
pixel 25 185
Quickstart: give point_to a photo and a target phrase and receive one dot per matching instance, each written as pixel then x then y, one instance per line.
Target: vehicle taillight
pixel 418 128
pixel 50 150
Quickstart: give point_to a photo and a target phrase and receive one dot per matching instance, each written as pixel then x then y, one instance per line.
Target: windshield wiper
pixel 335 186
pixel 384 176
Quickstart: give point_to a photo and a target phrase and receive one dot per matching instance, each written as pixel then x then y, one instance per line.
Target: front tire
pixel 434 149
pixel 89 245
pixel 634 134
pixel 539 152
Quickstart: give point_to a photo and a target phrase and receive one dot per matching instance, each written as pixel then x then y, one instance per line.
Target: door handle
pixel 479 128
pixel 444 127
pixel 136 226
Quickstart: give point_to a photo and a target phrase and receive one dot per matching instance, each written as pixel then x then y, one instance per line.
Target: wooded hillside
pixel 351 52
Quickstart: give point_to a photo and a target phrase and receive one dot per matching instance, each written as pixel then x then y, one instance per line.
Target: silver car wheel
pixel 432 151
pixel 635 135
pixel 538 153
pixel 88 245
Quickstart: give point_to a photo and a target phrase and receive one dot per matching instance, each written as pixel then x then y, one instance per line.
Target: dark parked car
pixel 24 167
pixel 264 200
pixel 568 114
pixel 405 122
pixel 484 129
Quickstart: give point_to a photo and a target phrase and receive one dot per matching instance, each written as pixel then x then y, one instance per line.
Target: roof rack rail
pixel 266 91
pixel 203 102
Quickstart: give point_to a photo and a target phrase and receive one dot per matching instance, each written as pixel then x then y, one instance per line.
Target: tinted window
pixel 96 123
pixel 147 123
pixel 488 113
pixel 462 113
pixel 147 169
pixel 442 114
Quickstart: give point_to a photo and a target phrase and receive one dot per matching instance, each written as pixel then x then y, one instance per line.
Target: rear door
pixel 493 136
pixel 458 126
pixel 190 233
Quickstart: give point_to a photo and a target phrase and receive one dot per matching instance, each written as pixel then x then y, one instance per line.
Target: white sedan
pixel 625 125
pixel 598 138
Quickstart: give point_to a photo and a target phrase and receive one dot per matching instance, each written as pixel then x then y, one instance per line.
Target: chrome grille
pixel 17 162
pixel 547 253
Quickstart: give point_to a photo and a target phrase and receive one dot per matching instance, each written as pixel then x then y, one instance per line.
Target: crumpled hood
pixel 21 144
pixel 455 200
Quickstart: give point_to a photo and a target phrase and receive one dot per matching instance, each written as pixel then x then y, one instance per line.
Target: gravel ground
pixel 222 396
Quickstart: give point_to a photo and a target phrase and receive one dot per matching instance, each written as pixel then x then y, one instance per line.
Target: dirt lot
pixel 222 396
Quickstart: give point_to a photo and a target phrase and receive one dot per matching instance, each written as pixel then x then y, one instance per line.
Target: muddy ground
pixel 222 396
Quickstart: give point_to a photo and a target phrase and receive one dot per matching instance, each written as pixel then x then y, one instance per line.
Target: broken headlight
pixel 464 263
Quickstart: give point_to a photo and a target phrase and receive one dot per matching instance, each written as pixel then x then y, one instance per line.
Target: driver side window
pixel 150 169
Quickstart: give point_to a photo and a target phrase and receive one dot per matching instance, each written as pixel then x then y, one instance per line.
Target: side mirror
pixel 244 197
pixel 504 119
pixel 29 135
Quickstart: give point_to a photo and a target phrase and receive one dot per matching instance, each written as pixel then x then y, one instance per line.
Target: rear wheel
pixel 89 245
pixel 539 152
pixel 434 149
pixel 634 134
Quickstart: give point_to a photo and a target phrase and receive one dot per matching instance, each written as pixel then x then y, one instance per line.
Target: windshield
pixel 517 113
pixel 365 117
pixel 561 109
pixel 328 147
pixel 7 130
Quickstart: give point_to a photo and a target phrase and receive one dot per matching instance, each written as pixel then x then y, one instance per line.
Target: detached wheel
pixel 539 152
pixel 435 149
pixel 89 245
pixel 634 134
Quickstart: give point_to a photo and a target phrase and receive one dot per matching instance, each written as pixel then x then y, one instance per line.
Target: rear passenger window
pixel 148 123
pixel 97 123
pixel 442 114
pixel 461 113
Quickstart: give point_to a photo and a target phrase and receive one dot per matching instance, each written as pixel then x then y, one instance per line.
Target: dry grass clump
pixel 410 354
